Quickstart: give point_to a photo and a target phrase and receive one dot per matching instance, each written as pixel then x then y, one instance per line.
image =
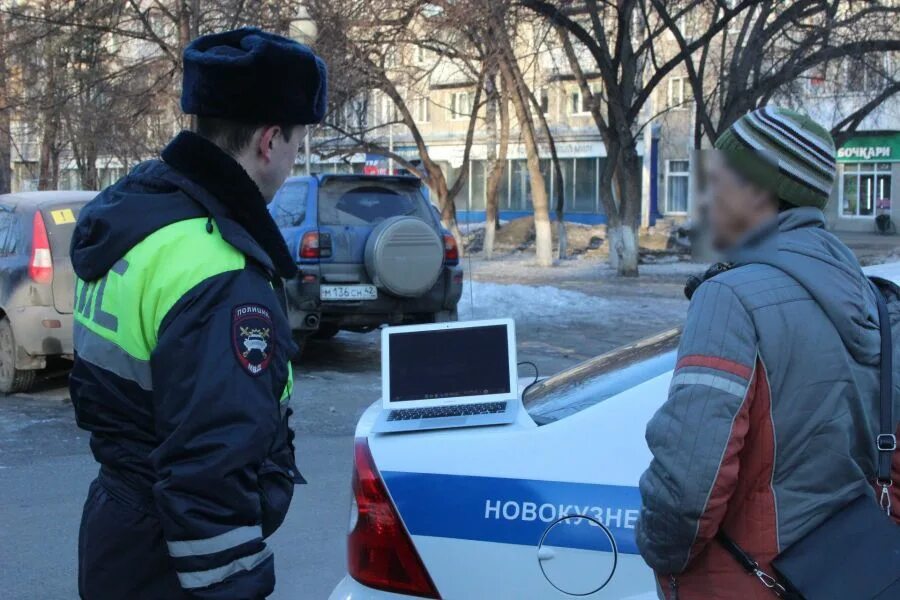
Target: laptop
pixel 446 375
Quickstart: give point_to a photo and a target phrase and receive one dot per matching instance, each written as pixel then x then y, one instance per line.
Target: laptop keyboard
pixel 435 412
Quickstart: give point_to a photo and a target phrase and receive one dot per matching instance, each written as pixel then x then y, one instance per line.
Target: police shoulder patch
pixel 253 337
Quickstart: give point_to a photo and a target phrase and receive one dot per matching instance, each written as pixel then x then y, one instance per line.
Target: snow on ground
pixel 522 267
pixel 529 303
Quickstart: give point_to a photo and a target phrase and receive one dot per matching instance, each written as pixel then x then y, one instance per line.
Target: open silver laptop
pixel 448 375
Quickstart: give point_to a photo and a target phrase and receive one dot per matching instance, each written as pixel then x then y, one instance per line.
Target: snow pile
pixel 528 303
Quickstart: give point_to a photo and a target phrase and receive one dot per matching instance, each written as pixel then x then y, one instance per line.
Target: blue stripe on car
pixel 515 511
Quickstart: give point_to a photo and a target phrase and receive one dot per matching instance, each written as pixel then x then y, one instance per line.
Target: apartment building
pixel 868 162
pixel 442 98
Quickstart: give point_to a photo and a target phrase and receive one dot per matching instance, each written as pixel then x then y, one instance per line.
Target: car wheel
pixel 12 380
pixel 446 316
pixel 326 331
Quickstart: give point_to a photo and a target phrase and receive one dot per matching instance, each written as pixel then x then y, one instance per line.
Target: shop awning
pixel 883 147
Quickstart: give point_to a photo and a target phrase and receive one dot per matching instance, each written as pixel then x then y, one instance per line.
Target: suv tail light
pixel 315 245
pixel 451 250
pixel 380 553
pixel 40 269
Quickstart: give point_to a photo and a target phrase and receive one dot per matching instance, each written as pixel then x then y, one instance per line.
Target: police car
pixel 543 508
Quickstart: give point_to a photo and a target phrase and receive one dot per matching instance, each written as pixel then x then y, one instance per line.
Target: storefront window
pixel 518 184
pixel 462 199
pixel 547 172
pixel 479 178
pixel 568 173
pixel 503 194
pixel 677 185
pixel 585 185
pixel 865 189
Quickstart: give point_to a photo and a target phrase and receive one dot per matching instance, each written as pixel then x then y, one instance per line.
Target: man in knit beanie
pixel 771 159
pixel 770 423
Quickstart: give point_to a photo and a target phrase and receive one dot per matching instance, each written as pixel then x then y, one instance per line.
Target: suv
pixel 370 251
pixel 37 283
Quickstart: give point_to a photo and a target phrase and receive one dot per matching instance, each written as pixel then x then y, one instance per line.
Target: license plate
pixel 348 292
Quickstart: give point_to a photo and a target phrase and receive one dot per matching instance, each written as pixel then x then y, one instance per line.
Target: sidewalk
pixel 871 248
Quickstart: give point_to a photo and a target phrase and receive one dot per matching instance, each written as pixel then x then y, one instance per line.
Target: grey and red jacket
pixel 772 414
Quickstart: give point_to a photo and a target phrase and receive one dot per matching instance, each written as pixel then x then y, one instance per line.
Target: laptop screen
pixel 449 363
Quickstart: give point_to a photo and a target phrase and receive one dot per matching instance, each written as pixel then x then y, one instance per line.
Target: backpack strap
pixel 886 442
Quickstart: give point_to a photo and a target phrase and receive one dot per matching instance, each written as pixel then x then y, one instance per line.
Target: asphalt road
pixel 46 465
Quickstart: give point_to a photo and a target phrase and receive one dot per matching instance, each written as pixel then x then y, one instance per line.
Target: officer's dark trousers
pixel 121 551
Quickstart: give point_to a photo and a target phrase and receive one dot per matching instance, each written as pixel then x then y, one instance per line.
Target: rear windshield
pixel 601 378
pixel 289 204
pixel 360 203
pixel 60 222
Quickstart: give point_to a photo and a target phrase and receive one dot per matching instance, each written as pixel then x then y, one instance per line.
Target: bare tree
pixel 498 146
pixel 499 31
pixel 774 50
pixel 366 58
pixel 622 44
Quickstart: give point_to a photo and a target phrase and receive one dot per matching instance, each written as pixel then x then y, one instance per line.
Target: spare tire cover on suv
pixel 404 256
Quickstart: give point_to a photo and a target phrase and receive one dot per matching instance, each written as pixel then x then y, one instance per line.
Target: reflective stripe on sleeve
pixel 99 351
pixel 223 541
pixel 713 381
pixel 199 579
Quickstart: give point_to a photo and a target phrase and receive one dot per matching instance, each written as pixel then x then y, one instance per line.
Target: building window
pixel 865 189
pixel 578 104
pixel 678 181
pixel 459 106
pixel 421 54
pixel 677 97
pixel 866 74
pixel 544 99
pixel 390 58
pixel 423 109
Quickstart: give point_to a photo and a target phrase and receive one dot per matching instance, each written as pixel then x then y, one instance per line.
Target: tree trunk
pixel 543 239
pixel 497 155
pixel 87 167
pixel 498 171
pixel 562 233
pixel 624 242
pixel 437 183
pixel 492 201
pixel 559 193
pixel 49 154
pixel 623 250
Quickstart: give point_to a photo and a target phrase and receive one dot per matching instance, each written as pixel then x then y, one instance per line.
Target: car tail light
pixel 40 269
pixel 315 245
pixel 380 553
pixel 451 250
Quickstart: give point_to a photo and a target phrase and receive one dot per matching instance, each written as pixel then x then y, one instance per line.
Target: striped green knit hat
pixel 782 151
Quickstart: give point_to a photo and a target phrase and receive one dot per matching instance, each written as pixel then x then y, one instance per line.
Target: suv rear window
pixel 59 219
pixel 360 203
pixel 601 378
pixel 289 205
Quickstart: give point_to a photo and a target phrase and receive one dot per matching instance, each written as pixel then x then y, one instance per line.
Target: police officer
pixel 182 371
